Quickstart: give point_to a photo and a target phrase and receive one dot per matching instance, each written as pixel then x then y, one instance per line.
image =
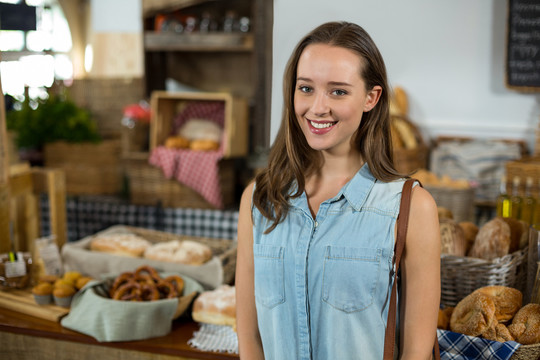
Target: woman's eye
pixel 339 92
pixel 305 89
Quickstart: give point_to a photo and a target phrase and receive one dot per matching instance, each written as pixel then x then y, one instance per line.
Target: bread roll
pixel 177 142
pixel 507 300
pixel 204 145
pixel 452 238
pixel 120 244
pixel 473 315
pixel 525 327
pixel 183 252
pixel 216 306
pixel 492 240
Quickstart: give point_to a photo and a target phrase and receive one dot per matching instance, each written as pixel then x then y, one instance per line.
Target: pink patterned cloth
pixel 197 169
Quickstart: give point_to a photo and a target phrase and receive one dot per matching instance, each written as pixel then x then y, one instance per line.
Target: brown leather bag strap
pixel 402 225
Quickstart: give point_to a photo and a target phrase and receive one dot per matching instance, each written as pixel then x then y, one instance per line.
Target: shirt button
pixel 316 224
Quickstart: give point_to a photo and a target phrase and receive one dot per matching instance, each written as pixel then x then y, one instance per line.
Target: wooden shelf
pixel 219 42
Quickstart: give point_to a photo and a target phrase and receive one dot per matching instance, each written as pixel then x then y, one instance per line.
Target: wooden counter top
pixel 175 343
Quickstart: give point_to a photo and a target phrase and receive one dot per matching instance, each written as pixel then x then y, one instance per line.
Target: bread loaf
pixel 120 244
pixel 183 252
pixel 492 240
pixel 452 238
pixel 473 315
pixel 470 230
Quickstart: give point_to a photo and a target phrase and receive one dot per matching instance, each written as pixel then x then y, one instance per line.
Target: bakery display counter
pixel 27 337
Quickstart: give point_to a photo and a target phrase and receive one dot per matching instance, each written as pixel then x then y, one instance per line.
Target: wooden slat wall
pixel 4 174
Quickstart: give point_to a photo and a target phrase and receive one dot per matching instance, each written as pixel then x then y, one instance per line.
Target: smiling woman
pixel 317 228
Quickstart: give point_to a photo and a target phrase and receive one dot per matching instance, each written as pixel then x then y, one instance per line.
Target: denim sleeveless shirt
pixel 322 286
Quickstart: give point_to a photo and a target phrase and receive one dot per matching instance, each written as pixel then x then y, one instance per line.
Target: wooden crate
pixel 164 107
pixel 91 169
pixel 148 186
pixel 19 204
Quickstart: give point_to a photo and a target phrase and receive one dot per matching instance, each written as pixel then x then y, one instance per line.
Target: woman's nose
pixel 320 104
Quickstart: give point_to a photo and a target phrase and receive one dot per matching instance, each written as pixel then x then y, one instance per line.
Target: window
pixel 36 58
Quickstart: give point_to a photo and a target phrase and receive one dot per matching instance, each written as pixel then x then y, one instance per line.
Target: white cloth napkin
pixel 215 338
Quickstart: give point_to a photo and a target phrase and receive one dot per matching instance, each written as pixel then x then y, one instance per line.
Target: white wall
pixel 448 56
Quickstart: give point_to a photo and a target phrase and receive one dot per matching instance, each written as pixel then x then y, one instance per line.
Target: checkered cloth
pixel 205 109
pixel 456 346
pixel 215 338
pixel 198 170
pixel 87 215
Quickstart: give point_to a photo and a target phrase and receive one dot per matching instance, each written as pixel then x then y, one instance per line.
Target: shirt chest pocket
pixel 269 275
pixel 350 277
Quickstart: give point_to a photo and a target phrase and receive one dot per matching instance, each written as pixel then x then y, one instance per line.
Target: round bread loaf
pixel 507 300
pixel 183 252
pixel 525 327
pixel 492 241
pixel 473 315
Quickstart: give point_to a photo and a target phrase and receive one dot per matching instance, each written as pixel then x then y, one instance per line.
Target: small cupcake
pixel 48 278
pixel 72 276
pixel 43 293
pixel 83 280
pixel 63 294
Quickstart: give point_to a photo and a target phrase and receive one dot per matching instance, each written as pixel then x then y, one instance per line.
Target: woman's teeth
pixel 321 125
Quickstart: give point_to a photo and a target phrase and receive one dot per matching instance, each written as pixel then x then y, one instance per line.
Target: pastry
pixel 120 244
pixel 492 240
pixel 525 327
pixel 452 238
pixel 507 300
pixel 82 281
pixel 473 315
pixel 62 295
pixel 43 293
pixel 216 306
pixel 184 252
pixel 145 284
pixel 204 145
pixel 177 142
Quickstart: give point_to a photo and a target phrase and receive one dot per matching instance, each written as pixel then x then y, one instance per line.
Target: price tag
pixel 15 269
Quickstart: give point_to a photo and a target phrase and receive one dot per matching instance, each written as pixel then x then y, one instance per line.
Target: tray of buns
pixel 121 248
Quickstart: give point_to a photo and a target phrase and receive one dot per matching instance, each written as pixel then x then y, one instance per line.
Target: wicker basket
pixel 527 352
pixel 461 275
pixel 220 270
pixel 459 201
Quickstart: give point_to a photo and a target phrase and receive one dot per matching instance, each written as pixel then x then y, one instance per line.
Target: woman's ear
pixel 372 98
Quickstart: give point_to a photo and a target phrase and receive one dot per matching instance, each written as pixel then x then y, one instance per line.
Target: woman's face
pixel 330 97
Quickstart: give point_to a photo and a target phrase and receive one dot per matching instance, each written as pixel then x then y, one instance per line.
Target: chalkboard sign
pixel 523 45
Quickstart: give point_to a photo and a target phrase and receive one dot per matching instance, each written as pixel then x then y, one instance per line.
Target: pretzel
pixel 128 291
pixel 177 281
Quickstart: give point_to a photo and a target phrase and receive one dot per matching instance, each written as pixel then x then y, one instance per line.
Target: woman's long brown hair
pixel 291 159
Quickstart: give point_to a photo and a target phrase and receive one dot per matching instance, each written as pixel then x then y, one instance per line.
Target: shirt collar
pixel 355 191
